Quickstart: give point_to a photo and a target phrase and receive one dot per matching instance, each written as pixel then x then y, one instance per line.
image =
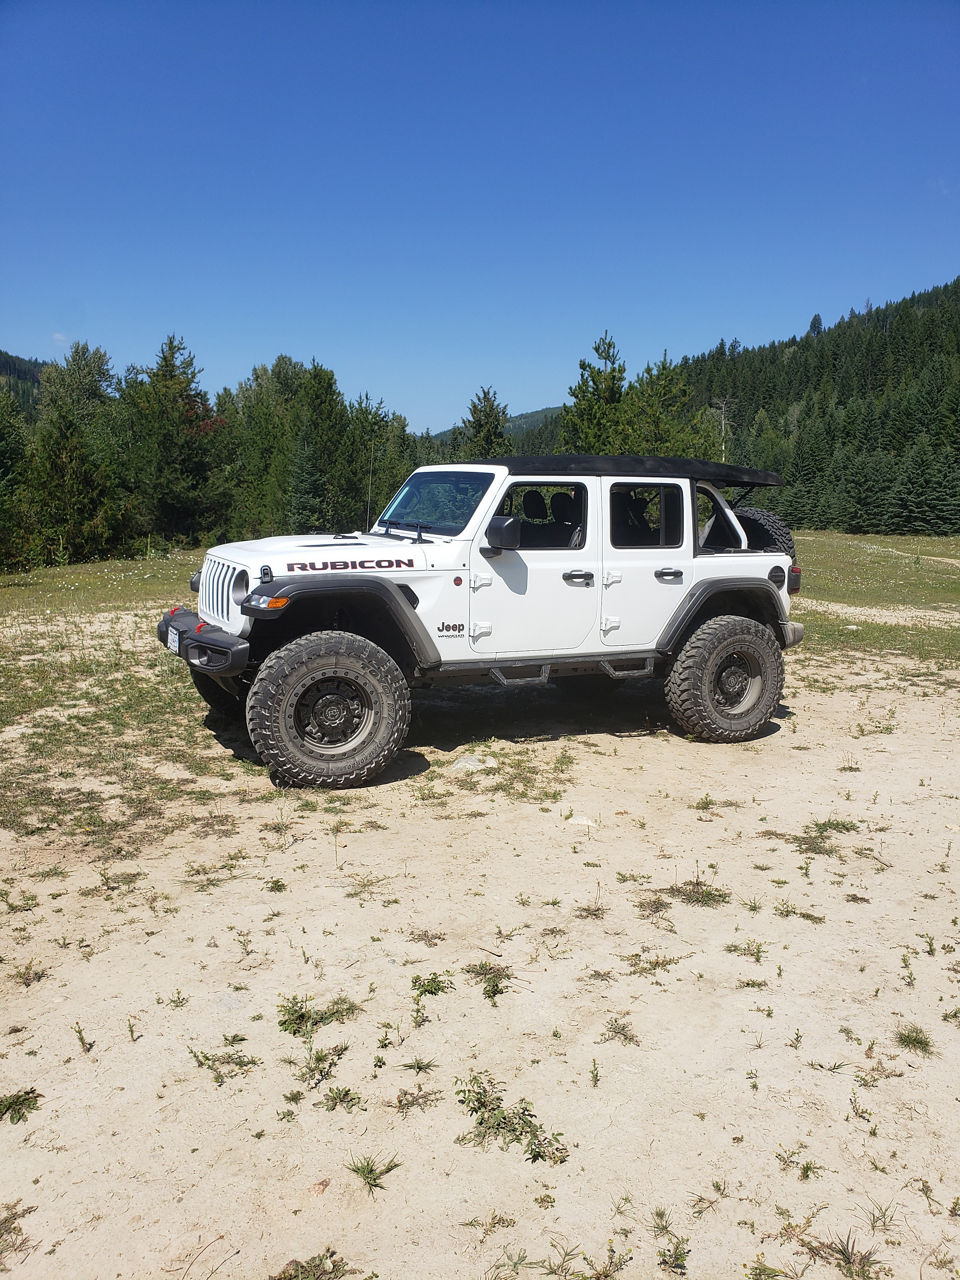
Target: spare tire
pixel 766 531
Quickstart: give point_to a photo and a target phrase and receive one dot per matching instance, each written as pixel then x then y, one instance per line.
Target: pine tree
pixel 592 423
pixel 72 504
pixel 655 418
pixel 484 428
pixel 12 453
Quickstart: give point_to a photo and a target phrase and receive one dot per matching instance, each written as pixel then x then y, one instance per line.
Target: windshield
pixel 440 502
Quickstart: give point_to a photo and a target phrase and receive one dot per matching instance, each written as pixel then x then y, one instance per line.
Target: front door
pixel 543 598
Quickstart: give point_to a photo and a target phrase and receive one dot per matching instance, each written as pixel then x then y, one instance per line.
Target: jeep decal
pixel 303 566
pixel 452 630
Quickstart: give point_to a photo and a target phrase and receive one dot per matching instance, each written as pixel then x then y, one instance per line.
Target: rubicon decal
pixel 309 566
pixel 452 630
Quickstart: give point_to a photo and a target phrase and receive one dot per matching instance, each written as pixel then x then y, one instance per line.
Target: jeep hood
pixel 314 553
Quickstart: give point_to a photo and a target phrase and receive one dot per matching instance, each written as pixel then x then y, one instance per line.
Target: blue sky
pixel 431 197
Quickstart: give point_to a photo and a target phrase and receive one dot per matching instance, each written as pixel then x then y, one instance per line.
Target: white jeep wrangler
pixel 517 570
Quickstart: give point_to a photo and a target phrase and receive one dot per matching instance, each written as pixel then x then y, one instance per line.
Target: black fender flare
pixel 389 596
pixel 760 589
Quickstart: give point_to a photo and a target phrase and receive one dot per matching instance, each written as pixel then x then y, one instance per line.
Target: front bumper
pixel 202 647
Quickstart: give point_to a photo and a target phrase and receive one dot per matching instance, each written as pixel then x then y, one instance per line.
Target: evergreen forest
pixel 861 418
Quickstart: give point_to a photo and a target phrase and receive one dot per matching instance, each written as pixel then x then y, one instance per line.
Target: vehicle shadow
pixel 446 719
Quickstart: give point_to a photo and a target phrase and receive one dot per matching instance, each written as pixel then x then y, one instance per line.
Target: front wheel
pixel 328 710
pixel 727 680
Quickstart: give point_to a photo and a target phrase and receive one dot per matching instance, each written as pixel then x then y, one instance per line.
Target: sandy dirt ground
pixel 724 980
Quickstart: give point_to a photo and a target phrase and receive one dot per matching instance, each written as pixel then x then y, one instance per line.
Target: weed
pixel 642 963
pixel 953 1016
pixel 660 1223
pixel 860 1263
pixel 673 1255
pixel 752 948
pixel 318 1065
pixel 85 1044
pixel 418 1099
pixel 701 1204
pixel 371 1173
pixel 420 1065
pixel 29 973
pixel 493 978
pixel 569 1263
pixel 342 1097
pixel 618 1029
pixel 15 1107
pixel 594 1073
pixel 914 1039
pixel 224 1064
pixel 276 885
pixel 483 1098
pixel 592 912
pixel 322 1266
pixel 13 1240
pixel 26 901
pixel 698 893
pixel 760 1270
pixel 428 937
pixel 495 1222
pixel 299 1018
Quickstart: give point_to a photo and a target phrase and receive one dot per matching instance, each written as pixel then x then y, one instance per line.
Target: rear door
pixel 648 564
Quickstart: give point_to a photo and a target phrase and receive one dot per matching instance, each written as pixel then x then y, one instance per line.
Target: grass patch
pixel 914 1039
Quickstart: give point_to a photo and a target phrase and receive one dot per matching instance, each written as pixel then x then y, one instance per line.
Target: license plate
pixel 173 640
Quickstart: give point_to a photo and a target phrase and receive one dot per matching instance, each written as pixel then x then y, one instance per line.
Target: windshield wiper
pixel 407 524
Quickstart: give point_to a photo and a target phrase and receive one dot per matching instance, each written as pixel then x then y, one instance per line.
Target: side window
pixel 552 516
pixel 646 515
pixel 716 533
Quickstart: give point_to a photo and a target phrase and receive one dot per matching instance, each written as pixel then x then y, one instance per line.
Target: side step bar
pixel 542 678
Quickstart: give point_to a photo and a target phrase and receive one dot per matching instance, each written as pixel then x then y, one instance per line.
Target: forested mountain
pixel 862 419
pixel 22 379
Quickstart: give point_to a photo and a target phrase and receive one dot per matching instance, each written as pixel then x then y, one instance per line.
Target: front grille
pixel 216 587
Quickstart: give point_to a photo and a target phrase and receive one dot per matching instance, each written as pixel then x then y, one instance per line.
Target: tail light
pixel 793 579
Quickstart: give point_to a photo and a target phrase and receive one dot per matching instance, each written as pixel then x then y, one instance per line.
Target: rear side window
pixel 646 515
pixel 715 531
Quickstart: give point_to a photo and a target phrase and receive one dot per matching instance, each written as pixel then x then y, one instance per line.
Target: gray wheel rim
pixel 736 683
pixel 330 714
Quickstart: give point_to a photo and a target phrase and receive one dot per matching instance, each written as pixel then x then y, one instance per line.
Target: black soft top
pixel 722 474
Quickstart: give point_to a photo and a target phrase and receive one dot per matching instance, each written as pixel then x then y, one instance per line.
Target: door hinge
pixel 478 629
pixel 611 577
pixel 478 580
pixel 609 624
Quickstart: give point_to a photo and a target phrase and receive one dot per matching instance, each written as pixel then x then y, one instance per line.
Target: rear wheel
pixel 727 680
pixel 330 709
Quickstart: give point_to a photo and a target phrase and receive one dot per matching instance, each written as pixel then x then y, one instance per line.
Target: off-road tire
pixel 330 709
pixel 766 531
pixel 221 701
pixel 727 680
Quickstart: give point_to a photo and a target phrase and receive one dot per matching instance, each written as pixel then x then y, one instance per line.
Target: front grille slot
pixel 215 590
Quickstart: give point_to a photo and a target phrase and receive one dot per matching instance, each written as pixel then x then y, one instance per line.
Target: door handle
pixel 578 575
pixel 669 575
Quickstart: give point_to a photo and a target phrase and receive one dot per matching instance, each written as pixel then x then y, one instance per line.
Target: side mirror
pixel 503 533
